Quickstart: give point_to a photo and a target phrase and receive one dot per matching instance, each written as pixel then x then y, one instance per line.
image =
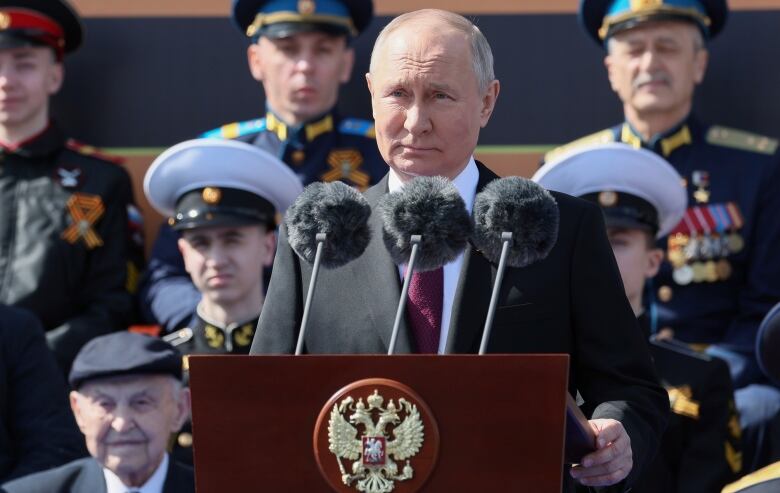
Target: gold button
pixel 665 294
pixel 298 157
pixel 185 439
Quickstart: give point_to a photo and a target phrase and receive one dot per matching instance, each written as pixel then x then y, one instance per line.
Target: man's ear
pixel 55 78
pixel 489 102
pixel 184 249
pixel 183 409
pixel 371 93
pixel 255 60
pixel 270 247
pixel 76 408
pixel 348 62
pixel 608 63
pixel 700 63
pixel 654 259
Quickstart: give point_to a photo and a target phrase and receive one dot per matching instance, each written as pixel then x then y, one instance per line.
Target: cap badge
pixel 608 199
pixel 212 195
pixel 85 210
pixel 5 21
pixel 306 7
pixel 640 5
pixel 69 177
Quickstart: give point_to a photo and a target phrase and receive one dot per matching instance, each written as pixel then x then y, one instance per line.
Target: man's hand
pixel 613 459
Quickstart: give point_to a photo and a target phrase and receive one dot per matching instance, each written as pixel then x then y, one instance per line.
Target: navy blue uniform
pixel 738 173
pixel 327 149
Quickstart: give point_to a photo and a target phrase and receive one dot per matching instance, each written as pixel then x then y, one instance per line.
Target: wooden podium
pixel 500 419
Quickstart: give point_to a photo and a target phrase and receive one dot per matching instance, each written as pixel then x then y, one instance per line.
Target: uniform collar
pixel 306 132
pixel 154 484
pixel 664 143
pixel 44 143
pixel 235 336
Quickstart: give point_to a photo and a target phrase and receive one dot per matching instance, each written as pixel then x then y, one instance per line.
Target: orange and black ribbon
pixel 85 210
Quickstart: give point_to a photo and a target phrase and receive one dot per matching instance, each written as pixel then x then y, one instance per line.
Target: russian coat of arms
pixel 375 439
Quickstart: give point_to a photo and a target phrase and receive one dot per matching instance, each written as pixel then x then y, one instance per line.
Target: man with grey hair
pixel 128 399
pixel 720 275
pixel 429 106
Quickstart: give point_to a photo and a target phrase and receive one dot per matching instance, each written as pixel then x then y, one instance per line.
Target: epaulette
pixel 357 126
pixel 236 129
pixel 178 337
pixel 88 150
pixel 602 137
pixel 739 139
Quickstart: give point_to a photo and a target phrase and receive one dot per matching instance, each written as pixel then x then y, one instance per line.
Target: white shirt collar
pixel 153 485
pixel 465 183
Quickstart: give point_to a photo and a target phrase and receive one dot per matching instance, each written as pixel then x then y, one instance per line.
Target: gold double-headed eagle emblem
pixel 375 439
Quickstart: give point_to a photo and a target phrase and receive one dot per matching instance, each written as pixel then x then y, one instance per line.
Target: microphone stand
pixel 320 238
pixel 506 237
pixel 415 242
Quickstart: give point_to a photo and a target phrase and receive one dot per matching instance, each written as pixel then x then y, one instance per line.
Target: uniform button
pixel 665 294
pixel 298 157
pixel 185 439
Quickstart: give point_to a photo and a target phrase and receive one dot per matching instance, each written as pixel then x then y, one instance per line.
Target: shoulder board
pixel 357 126
pixel 739 139
pixel 88 150
pixel 235 130
pixel 178 337
pixel 602 137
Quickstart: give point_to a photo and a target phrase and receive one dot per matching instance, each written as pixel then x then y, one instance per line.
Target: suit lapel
pixel 91 480
pixel 382 290
pixel 472 296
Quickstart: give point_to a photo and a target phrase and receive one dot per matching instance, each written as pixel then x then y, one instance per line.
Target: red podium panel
pixel 500 418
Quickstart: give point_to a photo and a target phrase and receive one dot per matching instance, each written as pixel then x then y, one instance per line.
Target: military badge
pixel 345 165
pixel 306 7
pixel 212 195
pixel 68 177
pixel 85 210
pixel 380 434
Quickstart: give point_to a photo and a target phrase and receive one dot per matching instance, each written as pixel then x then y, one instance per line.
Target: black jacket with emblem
pixel 65 239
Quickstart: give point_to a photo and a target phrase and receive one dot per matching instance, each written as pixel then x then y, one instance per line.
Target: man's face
pixel 426 102
pixel 636 259
pixel 655 67
pixel 128 420
pixel 226 264
pixel 301 74
pixel 28 76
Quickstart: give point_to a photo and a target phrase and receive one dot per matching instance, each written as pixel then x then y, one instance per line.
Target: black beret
pixel 124 353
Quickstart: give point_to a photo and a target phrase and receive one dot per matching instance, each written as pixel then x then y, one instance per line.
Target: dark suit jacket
pixel 571 302
pixel 86 476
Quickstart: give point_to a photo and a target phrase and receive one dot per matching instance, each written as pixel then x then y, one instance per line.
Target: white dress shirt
pixel 466 184
pixel 153 485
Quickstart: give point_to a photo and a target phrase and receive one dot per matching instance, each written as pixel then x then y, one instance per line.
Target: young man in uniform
pixel 64 235
pixel 301 52
pixel 642 199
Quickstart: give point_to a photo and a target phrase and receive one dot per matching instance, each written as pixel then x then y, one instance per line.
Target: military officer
pixel 301 53
pixel 642 198
pixel 720 275
pixel 65 239
pixel 223 198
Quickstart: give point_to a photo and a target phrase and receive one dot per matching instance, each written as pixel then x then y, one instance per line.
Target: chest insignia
pixel 345 165
pixel 85 210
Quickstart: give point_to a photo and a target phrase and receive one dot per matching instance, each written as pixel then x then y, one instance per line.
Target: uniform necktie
pixel 426 293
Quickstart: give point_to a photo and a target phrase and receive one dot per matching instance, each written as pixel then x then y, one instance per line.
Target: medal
pixel 710 271
pixel 701 179
pixel 683 275
pixel 676 257
pixel 723 268
pixel 735 242
pixel 698 272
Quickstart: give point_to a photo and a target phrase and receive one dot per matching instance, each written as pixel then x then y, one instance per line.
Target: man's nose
pixel 649 59
pixel 305 62
pixel 123 421
pixel 418 120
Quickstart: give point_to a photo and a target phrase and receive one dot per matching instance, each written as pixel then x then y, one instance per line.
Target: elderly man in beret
pixel 128 399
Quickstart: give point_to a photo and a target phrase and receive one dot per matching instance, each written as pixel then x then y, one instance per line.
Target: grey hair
pixel 481 54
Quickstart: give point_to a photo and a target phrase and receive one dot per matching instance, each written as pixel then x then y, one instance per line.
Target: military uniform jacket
pixel 329 148
pixel 37 429
pixel 700 450
pixel 86 476
pixel 64 239
pixel 733 181
pixel 205 337
pixel 570 302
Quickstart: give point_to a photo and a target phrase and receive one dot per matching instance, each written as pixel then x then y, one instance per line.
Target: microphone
pixel 516 223
pixel 326 225
pixel 426 223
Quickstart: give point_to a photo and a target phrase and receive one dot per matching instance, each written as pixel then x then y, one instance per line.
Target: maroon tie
pixel 426 293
